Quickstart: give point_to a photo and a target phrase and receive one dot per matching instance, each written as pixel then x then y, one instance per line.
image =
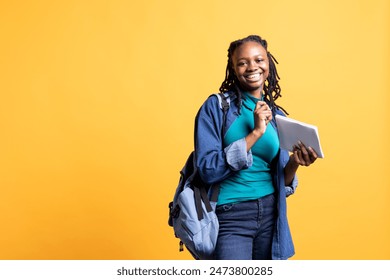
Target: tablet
pixel 291 131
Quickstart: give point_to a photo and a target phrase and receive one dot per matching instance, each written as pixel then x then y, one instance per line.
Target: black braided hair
pixel 271 86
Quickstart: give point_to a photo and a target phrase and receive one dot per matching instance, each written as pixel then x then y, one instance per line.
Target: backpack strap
pixel 200 195
pixel 214 195
pixel 224 100
pixel 198 203
pixel 224 104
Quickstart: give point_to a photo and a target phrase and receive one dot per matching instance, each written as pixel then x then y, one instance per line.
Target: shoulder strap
pixel 224 104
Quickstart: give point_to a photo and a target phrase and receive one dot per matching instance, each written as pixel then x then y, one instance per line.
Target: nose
pixel 251 66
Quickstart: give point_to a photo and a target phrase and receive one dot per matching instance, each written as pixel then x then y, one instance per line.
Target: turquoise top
pixel 256 181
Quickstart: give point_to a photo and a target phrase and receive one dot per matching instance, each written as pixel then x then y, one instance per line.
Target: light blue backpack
pixel 192 211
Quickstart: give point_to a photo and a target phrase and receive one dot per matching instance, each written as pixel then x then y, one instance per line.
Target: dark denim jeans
pixel 246 229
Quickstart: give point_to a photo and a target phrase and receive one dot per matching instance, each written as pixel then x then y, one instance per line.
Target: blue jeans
pixel 246 229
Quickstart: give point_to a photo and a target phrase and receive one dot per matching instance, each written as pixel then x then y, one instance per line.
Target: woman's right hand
pixel 262 115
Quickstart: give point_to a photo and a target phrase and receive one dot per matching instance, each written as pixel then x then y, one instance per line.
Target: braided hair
pixel 271 86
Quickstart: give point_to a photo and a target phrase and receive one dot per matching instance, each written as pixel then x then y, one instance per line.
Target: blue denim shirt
pixel 216 163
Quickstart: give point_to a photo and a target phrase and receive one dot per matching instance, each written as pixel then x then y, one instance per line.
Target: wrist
pixel 257 133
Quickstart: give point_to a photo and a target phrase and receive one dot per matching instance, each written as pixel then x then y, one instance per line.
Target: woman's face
pixel 251 66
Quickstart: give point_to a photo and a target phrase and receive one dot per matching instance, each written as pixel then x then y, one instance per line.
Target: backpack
pixel 192 211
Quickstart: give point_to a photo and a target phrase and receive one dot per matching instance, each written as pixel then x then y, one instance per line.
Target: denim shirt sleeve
pixel 214 162
pixel 290 189
pixel 236 155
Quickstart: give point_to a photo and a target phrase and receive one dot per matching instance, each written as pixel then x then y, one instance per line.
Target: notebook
pixel 291 131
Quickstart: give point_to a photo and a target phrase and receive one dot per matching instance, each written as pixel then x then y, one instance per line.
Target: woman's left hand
pixel 303 155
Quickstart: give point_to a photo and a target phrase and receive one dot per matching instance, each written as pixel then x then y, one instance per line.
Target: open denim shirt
pixel 216 163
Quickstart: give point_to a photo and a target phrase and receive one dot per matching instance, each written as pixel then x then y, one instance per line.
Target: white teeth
pixel 254 76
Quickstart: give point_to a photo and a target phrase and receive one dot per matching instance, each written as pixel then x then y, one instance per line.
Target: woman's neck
pixel 256 93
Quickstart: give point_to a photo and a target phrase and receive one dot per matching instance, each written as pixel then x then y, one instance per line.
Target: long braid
pixel 272 90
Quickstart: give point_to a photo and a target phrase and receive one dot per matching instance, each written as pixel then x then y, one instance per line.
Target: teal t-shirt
pixel 256 181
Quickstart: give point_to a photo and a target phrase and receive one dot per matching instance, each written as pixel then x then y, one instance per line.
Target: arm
pixel 213 161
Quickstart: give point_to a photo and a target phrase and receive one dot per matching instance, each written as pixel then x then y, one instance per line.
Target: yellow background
pixel 97 104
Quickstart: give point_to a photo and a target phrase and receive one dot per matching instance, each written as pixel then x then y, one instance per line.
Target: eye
pixel 259 60
pixel 241 63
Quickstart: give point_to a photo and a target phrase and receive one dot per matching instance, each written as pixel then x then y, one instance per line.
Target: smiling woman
pixel 254 174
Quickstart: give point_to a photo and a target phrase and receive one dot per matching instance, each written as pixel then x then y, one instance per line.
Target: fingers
pixel 304 155
pixel 296 157
pixel 263 112
pixel 260 104
pixel 312 154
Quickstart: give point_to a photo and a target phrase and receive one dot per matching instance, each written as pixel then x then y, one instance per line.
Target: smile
pixel 253 76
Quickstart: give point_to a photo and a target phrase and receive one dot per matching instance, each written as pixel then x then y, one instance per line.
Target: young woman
pixel 254 174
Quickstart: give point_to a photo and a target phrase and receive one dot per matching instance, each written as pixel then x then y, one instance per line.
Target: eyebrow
pixel 257 55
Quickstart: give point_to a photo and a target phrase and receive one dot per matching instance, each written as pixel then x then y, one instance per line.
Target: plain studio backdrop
pixel 97 108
